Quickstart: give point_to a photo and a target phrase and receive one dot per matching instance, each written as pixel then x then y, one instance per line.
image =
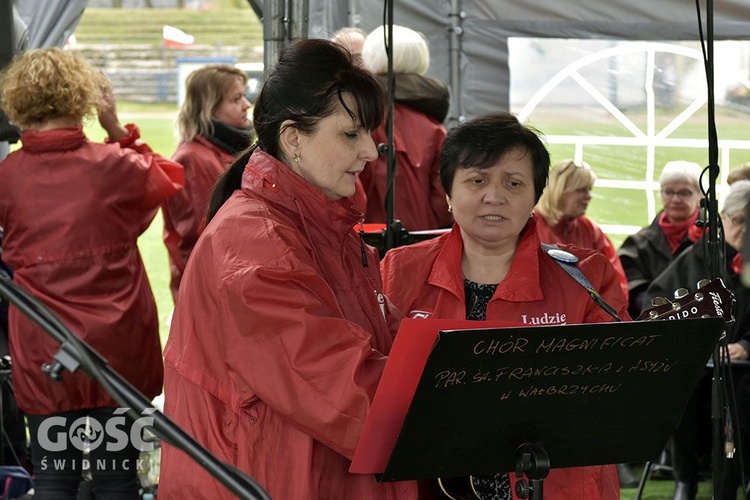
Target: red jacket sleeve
pixel 438 201
pixel 185 212
pixel 294 350
pixel 609 250
pixel 164 178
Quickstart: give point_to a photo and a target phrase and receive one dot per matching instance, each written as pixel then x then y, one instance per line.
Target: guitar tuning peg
pixel 680 293
pixel 659 301
pixel 703 283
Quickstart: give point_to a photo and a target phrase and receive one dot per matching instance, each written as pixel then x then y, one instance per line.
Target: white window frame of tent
pixel 650 139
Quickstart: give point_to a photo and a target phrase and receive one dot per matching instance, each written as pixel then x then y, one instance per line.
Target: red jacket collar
pixel 59 139
pixel 522 282
pixel 270 179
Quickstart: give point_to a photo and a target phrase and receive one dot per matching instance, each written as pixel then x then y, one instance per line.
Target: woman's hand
pixel 108 114
pixel 737 352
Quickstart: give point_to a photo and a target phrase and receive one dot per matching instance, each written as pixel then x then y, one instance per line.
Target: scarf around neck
pixel 676 231
pixel 422 93
pixel 230 139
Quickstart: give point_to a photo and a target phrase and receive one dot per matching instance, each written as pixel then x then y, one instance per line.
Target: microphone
pixel 382 149
pixel 702 220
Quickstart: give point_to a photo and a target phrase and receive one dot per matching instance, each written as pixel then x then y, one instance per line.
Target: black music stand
pixel 489 400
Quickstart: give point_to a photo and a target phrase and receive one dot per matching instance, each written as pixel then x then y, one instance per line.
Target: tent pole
pixel 392 226
pixel 273 33
pixel 299 19
pixel 456 16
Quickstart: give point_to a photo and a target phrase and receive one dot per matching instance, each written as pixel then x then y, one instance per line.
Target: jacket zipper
pixel 362 245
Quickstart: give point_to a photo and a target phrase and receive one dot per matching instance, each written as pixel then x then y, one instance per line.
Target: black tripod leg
pixel 644 478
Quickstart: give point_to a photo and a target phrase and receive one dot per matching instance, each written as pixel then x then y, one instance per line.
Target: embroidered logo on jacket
pixel 545 319
pixel 381 303
pixel 417 314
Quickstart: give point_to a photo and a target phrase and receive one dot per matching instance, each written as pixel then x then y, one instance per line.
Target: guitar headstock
pixel 711 299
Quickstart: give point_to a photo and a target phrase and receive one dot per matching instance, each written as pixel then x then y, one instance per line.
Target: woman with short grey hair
pixel 645 254
pixel 420 106
pixel 685 272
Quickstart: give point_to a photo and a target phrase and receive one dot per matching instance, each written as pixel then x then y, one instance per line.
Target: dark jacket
pixel 690 267
pixel 644 255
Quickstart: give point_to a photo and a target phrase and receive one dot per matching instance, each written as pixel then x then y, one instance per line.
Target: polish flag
pixel 176 38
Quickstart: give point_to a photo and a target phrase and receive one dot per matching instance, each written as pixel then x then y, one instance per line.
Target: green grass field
pixel 144 26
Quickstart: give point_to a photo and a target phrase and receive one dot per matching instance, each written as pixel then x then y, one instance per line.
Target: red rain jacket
pixel 185 212
pixel 278 342
pixel 585 233
pixel 72 211
pixel 536 291
pixel 420 198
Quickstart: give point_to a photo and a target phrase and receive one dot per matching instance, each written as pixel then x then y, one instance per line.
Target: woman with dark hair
pixel 281 332
pixel 213 128
pixel 491 266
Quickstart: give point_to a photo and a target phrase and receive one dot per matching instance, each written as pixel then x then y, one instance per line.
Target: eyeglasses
pixel 737 220
pixel 683 194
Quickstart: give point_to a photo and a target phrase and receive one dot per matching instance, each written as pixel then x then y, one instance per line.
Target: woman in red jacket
pixel 420 106
pixel 281 332
pixel 561 213
pixel 72 211
pixel 213 127
pixel 491 265
pixel 561 218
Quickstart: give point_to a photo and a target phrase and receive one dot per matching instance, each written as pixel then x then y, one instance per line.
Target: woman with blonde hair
pixel 561 213
pixel 213 127
pixel 72 211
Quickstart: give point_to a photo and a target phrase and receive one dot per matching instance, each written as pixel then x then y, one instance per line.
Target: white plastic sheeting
pixel 478 71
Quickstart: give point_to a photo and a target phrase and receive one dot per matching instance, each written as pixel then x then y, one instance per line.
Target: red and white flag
pixel 176 38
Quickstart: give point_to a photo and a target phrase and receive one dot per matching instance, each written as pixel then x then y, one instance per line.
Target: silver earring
pixel 296 159
pixel 450 209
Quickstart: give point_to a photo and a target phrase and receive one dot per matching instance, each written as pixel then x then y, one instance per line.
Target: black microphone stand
pixel 533 462
pixel 74 353
pixel 393 228
pixel 721 374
